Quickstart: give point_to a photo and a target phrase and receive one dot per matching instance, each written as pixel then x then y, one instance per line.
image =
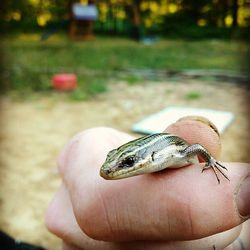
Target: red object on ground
pixel 64 82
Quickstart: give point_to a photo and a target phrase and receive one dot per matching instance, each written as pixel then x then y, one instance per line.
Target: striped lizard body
pixel 153 153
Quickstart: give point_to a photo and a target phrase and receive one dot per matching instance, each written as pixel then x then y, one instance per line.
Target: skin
pixel 88 210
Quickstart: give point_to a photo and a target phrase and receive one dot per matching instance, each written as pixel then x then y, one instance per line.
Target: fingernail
pixel 243 197
pixel 202 119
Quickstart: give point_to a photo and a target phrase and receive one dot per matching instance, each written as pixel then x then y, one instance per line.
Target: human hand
pixel 162 210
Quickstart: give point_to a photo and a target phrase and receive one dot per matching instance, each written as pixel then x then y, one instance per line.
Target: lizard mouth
pixel 114 175
pixel 106 174
pixel 120 174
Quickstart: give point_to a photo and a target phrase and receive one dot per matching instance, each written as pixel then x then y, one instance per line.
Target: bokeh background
pixel 131 59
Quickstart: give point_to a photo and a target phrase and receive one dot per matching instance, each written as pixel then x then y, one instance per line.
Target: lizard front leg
pixel 199 150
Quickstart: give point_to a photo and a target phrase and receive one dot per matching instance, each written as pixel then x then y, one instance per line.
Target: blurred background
pixel 67 65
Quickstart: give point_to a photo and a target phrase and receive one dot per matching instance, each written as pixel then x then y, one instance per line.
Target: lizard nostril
pixel 108 171
pixel 106 174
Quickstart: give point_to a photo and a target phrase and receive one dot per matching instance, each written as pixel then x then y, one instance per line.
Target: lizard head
pixel 127 160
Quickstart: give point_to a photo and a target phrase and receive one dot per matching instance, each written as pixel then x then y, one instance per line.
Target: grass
pixel 193 95
pixel 133 79
pixel 31 63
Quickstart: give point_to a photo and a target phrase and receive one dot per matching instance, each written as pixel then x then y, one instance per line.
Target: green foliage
pixel 23 78
pixel 90 88
pixel 30 64
pixel 118 17
pixel 133 79
pixel 78 95
pixel 182 25
pixel 97 87
pixel 193 95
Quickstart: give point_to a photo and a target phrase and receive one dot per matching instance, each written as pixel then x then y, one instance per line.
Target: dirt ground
pixel 33 133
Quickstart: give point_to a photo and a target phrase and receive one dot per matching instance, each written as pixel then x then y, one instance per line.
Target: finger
pixel 200 131
pixel 216 241
pixel 60 221
pixel 243 241
pixel 189 129
pixel 244 236
pixel 220 241
pixel 178 204
pixel 70 150
pixel 67 246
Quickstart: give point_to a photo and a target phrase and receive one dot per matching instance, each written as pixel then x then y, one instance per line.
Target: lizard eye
pixel 128 162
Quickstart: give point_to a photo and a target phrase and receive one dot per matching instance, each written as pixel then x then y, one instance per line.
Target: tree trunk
pixel 136 20
pixel 235 13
